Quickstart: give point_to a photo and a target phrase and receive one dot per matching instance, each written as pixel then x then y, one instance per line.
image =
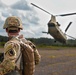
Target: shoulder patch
pixel 11 52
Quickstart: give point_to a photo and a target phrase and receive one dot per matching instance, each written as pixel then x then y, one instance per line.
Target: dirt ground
pixel 57 62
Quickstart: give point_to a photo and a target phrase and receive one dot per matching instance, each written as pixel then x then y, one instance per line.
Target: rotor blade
pixel 41 8
pixel 68 26
pixel 67 14
pixel 44 32
pixel 51 14
pixel 71 37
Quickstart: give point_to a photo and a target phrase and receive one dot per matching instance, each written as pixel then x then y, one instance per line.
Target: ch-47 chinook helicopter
pixel 53 27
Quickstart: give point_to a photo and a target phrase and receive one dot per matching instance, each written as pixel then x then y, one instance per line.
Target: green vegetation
pixel 3 39
pixel 43 42
pixel 48 42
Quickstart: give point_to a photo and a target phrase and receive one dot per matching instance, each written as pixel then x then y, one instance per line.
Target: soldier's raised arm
pixel 10 56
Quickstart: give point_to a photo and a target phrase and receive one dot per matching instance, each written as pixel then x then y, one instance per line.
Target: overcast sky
pixel 35 20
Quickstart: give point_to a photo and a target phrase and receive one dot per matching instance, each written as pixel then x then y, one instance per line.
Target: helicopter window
pixel 51 25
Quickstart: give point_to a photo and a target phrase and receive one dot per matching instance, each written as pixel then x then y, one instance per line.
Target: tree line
pixel 42 41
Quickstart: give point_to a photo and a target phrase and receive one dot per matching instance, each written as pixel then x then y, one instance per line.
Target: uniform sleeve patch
pixel 11 52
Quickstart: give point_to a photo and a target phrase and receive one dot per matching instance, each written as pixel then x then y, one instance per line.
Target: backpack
pixel 28 62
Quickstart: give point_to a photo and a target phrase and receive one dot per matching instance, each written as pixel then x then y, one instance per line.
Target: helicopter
pixel 54 27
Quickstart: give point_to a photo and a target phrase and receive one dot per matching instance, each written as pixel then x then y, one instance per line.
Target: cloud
pixel 5 14
pixel 28 33
pixel 2 5
pixel 21 5
pixel 32 19
pixel 28 16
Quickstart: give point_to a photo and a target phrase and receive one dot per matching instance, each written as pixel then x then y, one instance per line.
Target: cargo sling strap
pixel 21 63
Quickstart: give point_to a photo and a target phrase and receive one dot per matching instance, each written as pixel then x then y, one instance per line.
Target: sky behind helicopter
pixel 35 20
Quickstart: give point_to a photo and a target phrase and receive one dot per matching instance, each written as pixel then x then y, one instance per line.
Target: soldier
pixel 20 55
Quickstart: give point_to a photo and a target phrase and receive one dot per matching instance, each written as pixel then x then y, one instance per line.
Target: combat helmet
pixel 13 21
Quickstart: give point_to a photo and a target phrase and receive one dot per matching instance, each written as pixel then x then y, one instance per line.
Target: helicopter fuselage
pixel 56 33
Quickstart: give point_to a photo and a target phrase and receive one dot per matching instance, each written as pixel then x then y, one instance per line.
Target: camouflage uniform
pixel 12 62
pixel 10 55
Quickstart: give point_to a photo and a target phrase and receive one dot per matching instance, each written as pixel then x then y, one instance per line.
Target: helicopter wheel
pixel 55 41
